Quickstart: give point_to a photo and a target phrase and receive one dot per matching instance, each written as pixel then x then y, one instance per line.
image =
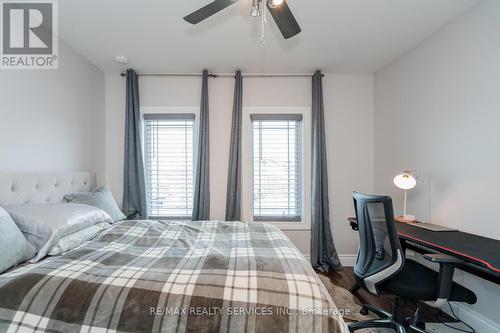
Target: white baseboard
pixel 480 323
pixel 473 318
pixel 347 260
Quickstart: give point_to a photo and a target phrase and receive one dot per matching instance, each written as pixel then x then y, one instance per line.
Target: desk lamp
pixel 405 181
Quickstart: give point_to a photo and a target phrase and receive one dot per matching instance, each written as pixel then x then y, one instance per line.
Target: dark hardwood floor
pixel 345 279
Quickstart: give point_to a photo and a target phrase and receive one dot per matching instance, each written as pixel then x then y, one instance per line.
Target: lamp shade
pixel 405 181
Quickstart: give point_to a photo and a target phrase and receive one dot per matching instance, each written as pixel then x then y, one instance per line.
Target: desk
pixel 481 254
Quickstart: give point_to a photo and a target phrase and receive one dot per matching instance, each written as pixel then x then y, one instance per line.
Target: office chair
pixel 381 268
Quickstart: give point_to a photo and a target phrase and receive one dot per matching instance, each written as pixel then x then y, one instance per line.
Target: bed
pixel 163 276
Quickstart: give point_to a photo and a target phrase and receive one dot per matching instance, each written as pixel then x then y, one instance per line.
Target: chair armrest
pixel 442 258
pixel 447 265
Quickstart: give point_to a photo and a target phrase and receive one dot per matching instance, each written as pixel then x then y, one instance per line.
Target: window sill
pixel 287 226
pixel 169 218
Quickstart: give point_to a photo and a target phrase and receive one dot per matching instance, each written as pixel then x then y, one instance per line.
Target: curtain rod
pixel 216 75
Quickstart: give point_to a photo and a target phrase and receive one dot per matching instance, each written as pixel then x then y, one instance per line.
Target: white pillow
pixel 14 248
pixel 44 225
pixel 101 198
pixel 71 241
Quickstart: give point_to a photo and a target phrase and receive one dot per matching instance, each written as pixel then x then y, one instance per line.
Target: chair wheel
pixel 364 311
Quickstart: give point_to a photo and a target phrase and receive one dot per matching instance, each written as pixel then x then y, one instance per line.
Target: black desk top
pixel 481 251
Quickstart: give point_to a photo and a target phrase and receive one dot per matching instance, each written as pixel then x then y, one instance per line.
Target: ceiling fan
pixel 279 10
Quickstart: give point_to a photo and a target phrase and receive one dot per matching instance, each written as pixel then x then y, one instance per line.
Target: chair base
pixel 396 320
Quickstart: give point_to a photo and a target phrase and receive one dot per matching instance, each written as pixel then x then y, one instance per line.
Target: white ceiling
pixel 337 35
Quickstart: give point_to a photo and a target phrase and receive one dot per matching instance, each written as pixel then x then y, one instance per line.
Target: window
pixel 168 142
pixel 277 167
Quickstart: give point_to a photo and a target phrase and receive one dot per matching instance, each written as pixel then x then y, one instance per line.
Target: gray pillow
pixel 14 248
pixel 101 198
pixel 71 241
pixel 44 225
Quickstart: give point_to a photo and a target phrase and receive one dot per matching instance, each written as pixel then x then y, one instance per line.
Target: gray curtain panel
pixel 324 256
pixel 233 196
pixel 201 203
pixel 134 189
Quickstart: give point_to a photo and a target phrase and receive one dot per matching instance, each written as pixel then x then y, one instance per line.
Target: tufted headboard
pixel 37 188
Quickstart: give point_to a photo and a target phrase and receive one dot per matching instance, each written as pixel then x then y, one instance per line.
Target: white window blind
pixel 168 141
pixel 277 167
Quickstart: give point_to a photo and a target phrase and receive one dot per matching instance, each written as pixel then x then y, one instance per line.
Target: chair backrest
pixel 380 254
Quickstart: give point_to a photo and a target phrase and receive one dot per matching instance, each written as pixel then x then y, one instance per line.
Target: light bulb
pixel 275 3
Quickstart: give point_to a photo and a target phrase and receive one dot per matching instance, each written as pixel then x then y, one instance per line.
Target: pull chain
pixel 264 22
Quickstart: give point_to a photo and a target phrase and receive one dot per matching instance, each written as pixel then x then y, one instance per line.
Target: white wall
pixel 437 111
pixel 349 117
pixel 53 120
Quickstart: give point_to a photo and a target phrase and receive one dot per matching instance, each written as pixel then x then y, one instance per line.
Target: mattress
pixel 171 276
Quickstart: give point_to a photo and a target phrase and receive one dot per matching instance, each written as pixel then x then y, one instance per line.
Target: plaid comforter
pixel 163 276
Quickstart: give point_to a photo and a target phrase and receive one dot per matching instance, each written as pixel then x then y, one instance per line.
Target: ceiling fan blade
pixel 209 10
pixel 284 19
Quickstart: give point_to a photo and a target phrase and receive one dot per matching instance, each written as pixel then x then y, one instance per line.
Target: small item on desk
pixel 405 218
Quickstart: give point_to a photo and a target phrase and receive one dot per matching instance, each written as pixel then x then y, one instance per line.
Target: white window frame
pixel 173 110
pixel 247 165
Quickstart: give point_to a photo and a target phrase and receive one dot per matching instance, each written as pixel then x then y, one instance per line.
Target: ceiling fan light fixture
pixel 275 3
pixel 278 9
pixel 255 11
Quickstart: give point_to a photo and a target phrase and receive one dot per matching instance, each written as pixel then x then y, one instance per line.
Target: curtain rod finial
pixel 123 74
